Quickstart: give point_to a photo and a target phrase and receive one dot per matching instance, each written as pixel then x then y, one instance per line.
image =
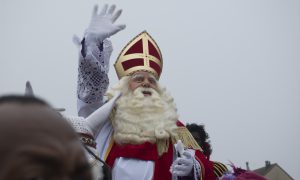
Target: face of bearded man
pixel 139 118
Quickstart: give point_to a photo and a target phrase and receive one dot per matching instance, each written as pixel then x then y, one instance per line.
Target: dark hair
pixel 22 99
pixel 204 141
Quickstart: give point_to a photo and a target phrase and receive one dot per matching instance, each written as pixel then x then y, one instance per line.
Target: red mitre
pixel 140 54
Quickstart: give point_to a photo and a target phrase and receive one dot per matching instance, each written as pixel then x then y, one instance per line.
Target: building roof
pixel 263 171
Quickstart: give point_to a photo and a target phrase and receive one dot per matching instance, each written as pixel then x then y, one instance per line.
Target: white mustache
pixel 139 91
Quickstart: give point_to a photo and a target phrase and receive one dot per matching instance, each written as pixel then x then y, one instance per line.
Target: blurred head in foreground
pixel 37 143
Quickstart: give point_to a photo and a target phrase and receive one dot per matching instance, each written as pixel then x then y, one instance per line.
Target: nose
pixel 146 83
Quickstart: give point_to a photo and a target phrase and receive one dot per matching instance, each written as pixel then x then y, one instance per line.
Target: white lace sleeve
pixel 92 76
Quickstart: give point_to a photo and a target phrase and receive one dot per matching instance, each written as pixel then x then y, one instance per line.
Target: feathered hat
pixel 140 54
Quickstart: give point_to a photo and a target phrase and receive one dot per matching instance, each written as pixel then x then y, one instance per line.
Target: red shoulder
pixel 179 123
pixel 206 166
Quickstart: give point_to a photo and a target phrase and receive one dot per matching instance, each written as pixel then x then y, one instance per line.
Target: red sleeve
pixel 207 166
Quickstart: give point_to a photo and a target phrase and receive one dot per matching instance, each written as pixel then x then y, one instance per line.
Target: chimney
pixel 268 163
pixel 247 166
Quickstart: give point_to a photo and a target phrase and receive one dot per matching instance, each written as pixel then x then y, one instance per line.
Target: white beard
pixel 140 118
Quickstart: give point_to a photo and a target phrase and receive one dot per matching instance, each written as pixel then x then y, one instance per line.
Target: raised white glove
pixel 96 120
pixel 102 24
pixel 183 165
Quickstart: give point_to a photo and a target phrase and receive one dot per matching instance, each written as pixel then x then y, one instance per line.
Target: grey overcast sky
pixel 233 65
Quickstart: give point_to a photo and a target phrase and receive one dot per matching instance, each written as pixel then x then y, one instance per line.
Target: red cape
pixel 148 152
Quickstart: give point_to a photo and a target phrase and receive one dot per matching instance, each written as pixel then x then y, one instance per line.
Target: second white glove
pixel 183 166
